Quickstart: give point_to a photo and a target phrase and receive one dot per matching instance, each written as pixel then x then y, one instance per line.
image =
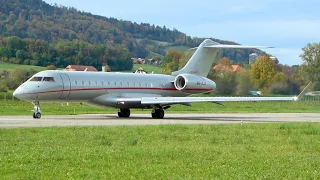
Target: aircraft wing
pixel 177 100
pixel 184 100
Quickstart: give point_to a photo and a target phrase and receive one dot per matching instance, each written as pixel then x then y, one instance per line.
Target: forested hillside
pixel 34 32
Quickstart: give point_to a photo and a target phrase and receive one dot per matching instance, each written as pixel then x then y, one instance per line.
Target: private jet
pixel 133 90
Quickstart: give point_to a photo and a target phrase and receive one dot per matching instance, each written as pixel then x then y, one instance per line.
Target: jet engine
pixel 189 83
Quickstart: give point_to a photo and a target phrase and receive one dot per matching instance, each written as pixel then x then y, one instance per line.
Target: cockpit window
pixel 36 79
pixel 48 79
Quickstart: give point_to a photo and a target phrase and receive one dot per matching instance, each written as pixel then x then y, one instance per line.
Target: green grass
pixel 178 48
pixel 15 107
pixel 162 43
pixel 10 66
pixel 152 54
pixel 250 151
pixel 148 68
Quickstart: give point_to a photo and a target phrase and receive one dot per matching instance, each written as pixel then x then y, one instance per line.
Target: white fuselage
pixel 100 88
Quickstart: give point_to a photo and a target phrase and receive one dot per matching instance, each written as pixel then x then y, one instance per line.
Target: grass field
pixel 178 48
pixel 148 68
pixel 15 66
pixel 14 107
pixel 250 151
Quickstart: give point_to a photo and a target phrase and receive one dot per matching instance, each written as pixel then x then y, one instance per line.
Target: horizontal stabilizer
pixel 221 46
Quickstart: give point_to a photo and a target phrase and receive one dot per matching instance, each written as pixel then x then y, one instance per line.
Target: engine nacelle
pixel 192 84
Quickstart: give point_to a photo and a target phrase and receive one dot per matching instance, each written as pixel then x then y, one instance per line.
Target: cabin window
pixel 102 83
pixel 121 84
pixel 128 84
pixel 89 83
pixel 109 83
pixel 36 79
pixel 115 83
pixel 146 84
pixel 49 79
pixel 75 82
pixel 83 83
pixel 96 83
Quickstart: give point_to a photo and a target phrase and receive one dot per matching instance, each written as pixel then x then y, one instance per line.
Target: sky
pixel 287 25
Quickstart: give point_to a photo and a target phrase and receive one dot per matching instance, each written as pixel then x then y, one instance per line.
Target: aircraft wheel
pixel 153 115
pixel 161 114
pixel 37 115
pixel 124 113
pixel 158 114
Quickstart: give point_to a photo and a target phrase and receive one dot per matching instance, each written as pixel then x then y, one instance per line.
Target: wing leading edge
pixel 176 100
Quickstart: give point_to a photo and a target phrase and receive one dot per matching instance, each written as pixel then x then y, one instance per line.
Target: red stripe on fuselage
pixel 100 89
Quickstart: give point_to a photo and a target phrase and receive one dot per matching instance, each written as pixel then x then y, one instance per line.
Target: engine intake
pixel 192 84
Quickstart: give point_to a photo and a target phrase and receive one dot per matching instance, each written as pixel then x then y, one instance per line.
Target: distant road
pixel 145 119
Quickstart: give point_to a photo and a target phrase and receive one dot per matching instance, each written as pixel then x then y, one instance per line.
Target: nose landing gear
pixel 36 110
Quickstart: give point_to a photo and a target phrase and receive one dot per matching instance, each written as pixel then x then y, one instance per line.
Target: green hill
pixel 34 32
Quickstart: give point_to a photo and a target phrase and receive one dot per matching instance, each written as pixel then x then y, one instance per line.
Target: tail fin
pixel 201 61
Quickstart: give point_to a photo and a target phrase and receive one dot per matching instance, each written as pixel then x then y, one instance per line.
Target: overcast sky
pixel 287 25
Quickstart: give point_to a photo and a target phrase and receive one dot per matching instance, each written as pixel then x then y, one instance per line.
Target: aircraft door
pixel 66 86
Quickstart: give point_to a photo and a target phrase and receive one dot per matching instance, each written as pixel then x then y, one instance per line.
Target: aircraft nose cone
pixel 17 93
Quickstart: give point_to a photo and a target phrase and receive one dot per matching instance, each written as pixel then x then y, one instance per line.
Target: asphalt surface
pixel 145 119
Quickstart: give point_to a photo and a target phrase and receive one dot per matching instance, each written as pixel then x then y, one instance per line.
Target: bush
pixel 26 62
pixel 33 62
pixel 3 86
pixel 51 67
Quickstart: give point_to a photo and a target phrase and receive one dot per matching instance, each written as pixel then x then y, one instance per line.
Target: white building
pixel 253 57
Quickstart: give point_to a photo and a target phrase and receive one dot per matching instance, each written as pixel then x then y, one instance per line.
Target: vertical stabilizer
pixel 201 61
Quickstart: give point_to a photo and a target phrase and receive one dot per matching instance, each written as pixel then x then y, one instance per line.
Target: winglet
pixel 303 92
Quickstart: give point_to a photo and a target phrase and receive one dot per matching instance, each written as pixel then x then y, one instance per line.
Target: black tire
pixel 161 114
pixel 124 113
pixel 158 114
pixel 120 115
pixel 127 113
pixel 37 115
pixel 153 115
pixel 34 115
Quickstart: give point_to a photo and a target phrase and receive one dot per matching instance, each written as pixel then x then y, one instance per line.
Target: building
pixel 138 61
pixel 275 59
pixel 233 68
pixel 140 70
pixel 253 57
pixel 79 68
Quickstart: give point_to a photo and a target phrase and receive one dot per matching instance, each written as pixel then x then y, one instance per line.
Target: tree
pixel 279 85
pixel 170 62
pixel 243 82
pixel 311 59
pixel 51 67
pixel 263 71
pixel 226 82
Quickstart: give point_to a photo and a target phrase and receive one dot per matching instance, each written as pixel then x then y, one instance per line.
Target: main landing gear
pixel 157 113
pixel 36 110
pixel 124 113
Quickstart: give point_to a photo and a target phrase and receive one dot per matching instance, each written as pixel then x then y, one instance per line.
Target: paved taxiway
pixel 145 119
